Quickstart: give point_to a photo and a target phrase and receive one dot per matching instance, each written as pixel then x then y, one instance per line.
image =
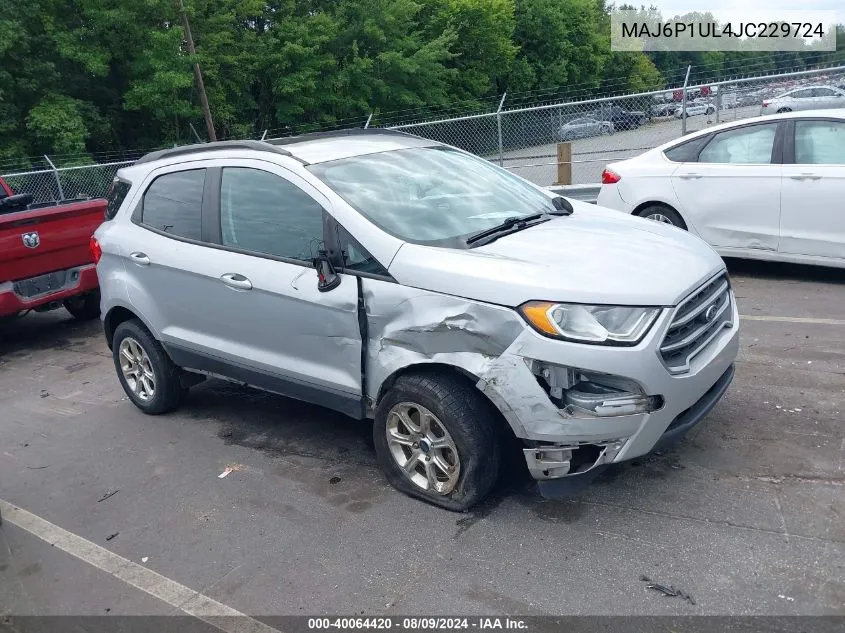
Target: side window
pixel 264 213
pixel 117 194
pixel 686 152
pixel 173 203
pixel 748 145
pixel 819 143
pixel 802 94
pixel 356 257
pixel 823 92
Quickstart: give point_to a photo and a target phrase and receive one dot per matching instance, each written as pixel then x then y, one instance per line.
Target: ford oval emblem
pixel 710 314
pixel 31 240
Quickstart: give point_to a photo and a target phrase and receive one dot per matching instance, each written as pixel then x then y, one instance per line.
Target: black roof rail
pixel 259 146
pixel 355 131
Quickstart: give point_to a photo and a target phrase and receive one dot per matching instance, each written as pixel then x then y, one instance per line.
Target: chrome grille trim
pixel 690 331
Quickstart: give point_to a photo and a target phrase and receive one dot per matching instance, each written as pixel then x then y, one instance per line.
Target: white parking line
pixel 169 591
pixel 783 319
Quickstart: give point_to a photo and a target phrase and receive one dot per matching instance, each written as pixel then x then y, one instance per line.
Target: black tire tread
pixel 168 384
pixel 666 210
pixel 471 422
pixel 89 310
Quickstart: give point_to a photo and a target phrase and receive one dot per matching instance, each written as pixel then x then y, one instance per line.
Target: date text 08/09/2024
pixel 418 623
pixel 711 30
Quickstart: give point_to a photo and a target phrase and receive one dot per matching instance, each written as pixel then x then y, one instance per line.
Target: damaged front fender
pixel 407 327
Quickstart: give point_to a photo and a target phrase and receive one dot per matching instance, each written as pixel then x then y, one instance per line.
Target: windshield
pixel 431 195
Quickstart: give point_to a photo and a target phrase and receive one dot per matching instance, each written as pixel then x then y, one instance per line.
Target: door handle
pixel 806 177
pixel 140 258
pixel 690 176
pixel 236 281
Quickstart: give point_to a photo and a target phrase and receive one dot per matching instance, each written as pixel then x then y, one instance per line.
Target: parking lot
pixel 590 155
pixel 745 515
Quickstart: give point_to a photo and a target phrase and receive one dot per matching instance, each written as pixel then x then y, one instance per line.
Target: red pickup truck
pixel 44 254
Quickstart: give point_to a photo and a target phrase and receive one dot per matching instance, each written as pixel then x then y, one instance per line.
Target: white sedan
pixel 768 188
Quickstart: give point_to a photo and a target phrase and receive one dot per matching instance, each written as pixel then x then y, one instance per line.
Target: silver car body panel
pixel 451 307
pixel 594 256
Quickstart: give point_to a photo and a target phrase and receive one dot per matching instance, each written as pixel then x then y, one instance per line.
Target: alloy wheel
pixel 137 369
pixel 659 217
pixel 423 448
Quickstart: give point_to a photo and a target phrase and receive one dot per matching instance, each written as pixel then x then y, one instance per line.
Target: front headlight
pixel 608 325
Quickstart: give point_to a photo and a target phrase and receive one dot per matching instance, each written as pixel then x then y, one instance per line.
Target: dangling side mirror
pixel 327 277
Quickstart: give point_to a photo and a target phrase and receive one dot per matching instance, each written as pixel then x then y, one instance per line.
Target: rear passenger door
pixel 732 191
pixel 164 254
pixel 268 325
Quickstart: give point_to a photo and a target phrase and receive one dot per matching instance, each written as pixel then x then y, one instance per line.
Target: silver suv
pixel 391 277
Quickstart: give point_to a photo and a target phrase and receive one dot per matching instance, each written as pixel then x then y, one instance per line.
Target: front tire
pixel 663 214
pixel 84 307
pixel 436 439
pixel 144 369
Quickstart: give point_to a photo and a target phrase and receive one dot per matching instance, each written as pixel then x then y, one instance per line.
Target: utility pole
pixel 209 124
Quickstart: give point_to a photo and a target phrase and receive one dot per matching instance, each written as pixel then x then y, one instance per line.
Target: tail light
pixel 765 104
pixel 610 177
pixel 95 250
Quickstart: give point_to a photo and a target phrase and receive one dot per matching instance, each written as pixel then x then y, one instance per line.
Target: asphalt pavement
pixel 127 514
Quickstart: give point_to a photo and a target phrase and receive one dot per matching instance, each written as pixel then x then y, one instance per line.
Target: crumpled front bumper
pixel 549 432
pixel 680 426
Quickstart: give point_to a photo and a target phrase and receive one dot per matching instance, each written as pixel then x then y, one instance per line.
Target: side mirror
pixel 562 205
pixel 327 277
pixel 16 201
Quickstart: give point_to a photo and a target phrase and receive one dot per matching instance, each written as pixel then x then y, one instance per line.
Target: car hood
pixel 594 256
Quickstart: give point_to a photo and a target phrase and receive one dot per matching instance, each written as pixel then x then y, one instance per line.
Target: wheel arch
pixel 434 367
pixel 119 314
pixel 659 203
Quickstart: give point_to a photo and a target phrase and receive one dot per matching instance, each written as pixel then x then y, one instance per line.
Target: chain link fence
pixel 65 183
pixel 559 143
pixel 532 142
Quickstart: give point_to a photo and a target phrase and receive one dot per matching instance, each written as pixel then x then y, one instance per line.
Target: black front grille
pixel 697 321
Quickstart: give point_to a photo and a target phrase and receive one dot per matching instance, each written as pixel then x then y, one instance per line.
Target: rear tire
pixel 782 110
pixel 144 369
pixel 84 307
pixel 664 214
pixel 429 420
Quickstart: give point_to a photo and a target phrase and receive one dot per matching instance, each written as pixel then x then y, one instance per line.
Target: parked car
pixel 583 128
pixel 695 109
pixel 768 188
pixel 664 109
pixel 747 100
pixel 391 277
pixel 623 119
pixel 45 261
pixel 809 98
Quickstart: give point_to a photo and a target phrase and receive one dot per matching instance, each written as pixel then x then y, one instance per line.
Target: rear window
pixel 117 194
pixel 687 152
pixel 173 203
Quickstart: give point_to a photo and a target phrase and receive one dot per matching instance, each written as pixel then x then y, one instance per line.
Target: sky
pixel 722 8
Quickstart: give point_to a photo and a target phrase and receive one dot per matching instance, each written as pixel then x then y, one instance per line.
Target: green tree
pixel 563 43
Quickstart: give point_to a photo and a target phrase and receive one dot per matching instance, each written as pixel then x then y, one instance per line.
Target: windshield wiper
pixel 511 225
